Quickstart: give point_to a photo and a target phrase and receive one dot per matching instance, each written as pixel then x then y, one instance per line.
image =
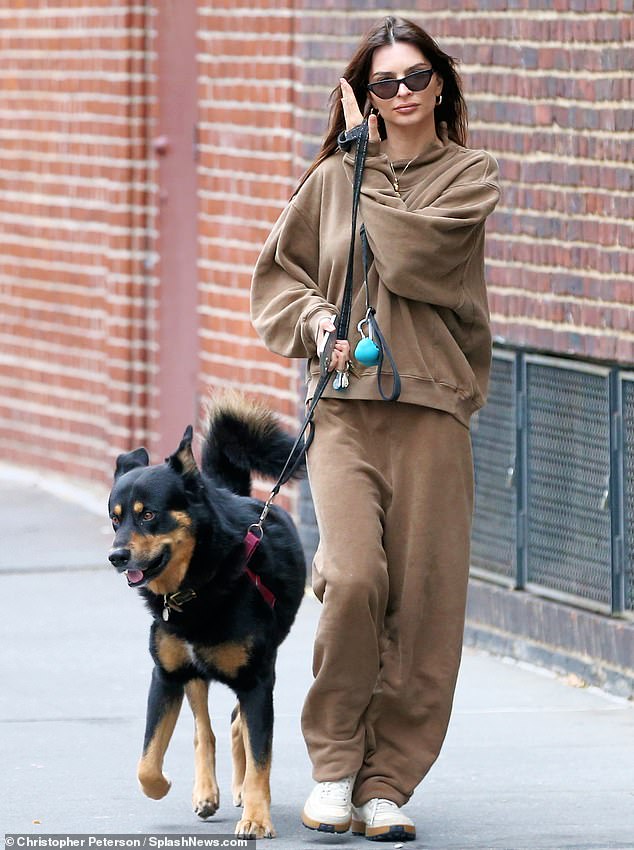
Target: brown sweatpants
pixel 392 485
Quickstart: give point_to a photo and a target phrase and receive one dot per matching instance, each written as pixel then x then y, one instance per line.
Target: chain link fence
pixel 554 459
pixel 626 385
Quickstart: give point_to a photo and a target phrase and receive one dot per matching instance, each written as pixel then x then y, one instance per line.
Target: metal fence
pixel 625 399
pixel 554 459
pixel 493 432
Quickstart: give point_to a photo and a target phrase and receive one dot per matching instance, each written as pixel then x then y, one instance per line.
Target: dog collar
pixel 175 601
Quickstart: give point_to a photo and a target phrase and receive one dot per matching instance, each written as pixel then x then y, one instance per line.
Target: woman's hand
pixel 340 353
pixel 352 113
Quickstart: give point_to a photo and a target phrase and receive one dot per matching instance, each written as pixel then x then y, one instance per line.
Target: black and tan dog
pixel 180 540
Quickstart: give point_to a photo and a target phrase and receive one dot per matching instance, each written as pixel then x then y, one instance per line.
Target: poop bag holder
pixel 366 351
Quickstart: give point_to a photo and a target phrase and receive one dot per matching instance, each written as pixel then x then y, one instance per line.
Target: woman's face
pixel 406 109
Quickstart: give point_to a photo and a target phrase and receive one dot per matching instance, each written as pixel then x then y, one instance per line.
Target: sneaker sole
pixel 358 827
pixel 309 823
pixel 398 832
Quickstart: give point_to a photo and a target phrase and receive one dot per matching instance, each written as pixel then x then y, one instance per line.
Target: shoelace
pixel 382 807
pixel 340 789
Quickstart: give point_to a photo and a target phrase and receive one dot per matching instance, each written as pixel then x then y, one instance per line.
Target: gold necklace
pixel 395 181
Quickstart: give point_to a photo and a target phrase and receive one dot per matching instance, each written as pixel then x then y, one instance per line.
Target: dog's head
pixel 150 511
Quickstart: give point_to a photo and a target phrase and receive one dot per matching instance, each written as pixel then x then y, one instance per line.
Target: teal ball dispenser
pixel 367 352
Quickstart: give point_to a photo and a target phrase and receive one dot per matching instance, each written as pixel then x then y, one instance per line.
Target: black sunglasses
pixel 416 81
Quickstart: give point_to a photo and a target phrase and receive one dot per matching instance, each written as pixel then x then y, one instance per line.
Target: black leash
pixel 360 136
pixel 255 532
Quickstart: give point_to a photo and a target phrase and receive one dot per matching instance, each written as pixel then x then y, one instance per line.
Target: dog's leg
pixel 238 756
pixel 164 702
pixel 206 797
pixel 256 710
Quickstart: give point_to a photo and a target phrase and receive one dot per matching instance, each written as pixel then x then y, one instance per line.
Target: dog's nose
pixel 119 558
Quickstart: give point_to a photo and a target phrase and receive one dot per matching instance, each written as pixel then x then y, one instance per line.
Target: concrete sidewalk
pixel 530 763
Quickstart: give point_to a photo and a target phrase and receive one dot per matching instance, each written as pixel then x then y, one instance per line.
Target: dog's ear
pixel 131 460
pixel 183 461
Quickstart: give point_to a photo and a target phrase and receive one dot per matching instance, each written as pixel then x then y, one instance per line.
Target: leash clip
pixel 255 532
pixel 252 530
pixel 264 514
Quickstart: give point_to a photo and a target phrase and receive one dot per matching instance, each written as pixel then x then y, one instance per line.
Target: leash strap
pixel 255 532
pixel 360 136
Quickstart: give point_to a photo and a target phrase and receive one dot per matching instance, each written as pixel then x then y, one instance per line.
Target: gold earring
pixel 438 99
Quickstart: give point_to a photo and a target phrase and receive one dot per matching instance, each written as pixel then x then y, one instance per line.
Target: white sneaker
pixel 329 806
pixel 382 820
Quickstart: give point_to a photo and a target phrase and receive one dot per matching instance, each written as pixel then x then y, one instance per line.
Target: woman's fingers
pixel 353 115
pixel 351 110
pixel 343 347
pixel 341 351
pixel 373 129
pixel 340 355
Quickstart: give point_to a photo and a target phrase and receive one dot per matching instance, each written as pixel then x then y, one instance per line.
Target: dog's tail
pixel 244 436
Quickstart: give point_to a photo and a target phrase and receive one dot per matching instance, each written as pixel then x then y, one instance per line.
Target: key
pixel 341 381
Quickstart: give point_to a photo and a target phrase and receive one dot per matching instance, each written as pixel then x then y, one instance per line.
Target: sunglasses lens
pixel 385 89
pixel 418 81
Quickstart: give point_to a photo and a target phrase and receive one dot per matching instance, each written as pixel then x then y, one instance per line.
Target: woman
pixel 392 481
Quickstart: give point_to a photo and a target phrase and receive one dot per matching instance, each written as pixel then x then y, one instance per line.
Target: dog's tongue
pixel 134 576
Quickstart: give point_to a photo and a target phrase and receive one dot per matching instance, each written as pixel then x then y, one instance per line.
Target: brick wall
pixel 549 86
pixel 550 92
pixel 246 175
pixel 76 211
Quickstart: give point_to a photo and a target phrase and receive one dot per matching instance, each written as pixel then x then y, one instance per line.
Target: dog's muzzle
pixel 120 558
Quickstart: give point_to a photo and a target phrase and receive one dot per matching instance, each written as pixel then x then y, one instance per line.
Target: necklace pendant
pixel 166 610
pixel 396 187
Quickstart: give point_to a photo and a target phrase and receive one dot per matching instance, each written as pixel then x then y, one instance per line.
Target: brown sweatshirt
pixel 426 280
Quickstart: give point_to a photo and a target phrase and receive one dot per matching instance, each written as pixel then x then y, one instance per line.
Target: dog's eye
pixel 115 520
pixel 146 516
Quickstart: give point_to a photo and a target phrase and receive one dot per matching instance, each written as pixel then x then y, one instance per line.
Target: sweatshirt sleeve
pixel 419 252
pixel 286 303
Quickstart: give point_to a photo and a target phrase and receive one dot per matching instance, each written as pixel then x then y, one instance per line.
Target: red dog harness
pixel 251 543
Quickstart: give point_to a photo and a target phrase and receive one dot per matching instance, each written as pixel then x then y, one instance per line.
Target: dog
pixel 180 534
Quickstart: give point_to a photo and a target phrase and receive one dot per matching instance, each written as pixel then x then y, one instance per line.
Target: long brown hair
pixel 452 111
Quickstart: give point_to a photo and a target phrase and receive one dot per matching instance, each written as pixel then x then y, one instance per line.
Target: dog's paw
pixel 154 786
pixel 247 828
pixel 206 805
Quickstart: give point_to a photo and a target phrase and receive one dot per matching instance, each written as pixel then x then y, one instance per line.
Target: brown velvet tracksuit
pixel 392 482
